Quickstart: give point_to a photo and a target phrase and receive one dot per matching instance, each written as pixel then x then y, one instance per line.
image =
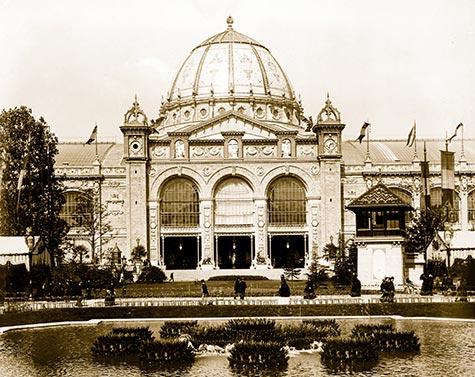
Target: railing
pixel 19 306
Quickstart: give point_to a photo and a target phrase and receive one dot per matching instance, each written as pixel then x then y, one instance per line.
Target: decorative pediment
pixel 378 196
pixel 232 121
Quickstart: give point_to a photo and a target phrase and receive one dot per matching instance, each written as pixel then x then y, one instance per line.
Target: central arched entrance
pixel 288 251
pixel 234 251
pixel 181 253
pixel 234 218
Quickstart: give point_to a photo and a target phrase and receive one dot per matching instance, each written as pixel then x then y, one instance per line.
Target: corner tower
pixel 136 131
pixel 328 129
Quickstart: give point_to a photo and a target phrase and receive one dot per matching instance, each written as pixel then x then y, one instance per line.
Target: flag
pixel 447 168
pixel 363 131
pixel 455 132
pixel 93 136
pixel 411 138
pixel 22 174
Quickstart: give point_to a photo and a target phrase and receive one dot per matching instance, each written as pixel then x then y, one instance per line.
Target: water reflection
pixel 447 348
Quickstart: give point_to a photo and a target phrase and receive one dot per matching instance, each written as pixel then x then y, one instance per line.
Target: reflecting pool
pixel 447 349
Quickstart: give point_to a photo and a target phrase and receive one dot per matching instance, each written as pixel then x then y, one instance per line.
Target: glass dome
pixel 230 63
pixel 226 73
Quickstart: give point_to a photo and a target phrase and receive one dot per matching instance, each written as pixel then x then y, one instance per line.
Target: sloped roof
pixel 354 153
pixel 13 245
pixel 396 151
pixel 79 154
pixel 378 196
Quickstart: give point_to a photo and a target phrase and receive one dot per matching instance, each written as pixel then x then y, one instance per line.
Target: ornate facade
pixel 232 175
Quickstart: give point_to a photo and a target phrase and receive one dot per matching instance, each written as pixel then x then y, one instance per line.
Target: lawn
pixel 223 289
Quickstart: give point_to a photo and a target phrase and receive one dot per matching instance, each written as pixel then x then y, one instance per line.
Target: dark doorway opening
pixel 234 251
pixel 288 251
pixel 181 253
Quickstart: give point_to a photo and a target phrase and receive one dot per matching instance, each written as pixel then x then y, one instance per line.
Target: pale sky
pixel 77 63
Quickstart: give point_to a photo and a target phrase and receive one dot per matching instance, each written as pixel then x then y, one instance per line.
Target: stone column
pixel 207 233
pixel 154 242
pixel 261 257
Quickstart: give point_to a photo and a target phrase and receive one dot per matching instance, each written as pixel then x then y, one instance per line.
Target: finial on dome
pixel 230 22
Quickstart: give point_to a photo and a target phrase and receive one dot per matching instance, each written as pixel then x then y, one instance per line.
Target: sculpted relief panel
pixel 260 151
pixel 212 151
pixel 306 150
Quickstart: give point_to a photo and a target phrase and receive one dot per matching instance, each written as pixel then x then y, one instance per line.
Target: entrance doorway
pixel 234 251
pixel 288 251
pixel 181 253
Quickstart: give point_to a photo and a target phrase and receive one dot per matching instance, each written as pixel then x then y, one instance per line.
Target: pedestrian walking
pixel 242 288
pixel 284 290
pixel 204 289
pixel 355 287
pixel 237 287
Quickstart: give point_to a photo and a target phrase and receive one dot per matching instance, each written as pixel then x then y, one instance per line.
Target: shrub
pixel 254 356
pixel 152 274
pixel 233 277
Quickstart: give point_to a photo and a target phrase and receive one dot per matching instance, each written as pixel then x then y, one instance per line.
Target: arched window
pixel 471 206
pixel 234 203
pixel 180 204
pixel 287 202
pixel 78 210
pixel 436 200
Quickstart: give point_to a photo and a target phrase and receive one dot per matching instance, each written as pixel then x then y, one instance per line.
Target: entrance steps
pixel 193 275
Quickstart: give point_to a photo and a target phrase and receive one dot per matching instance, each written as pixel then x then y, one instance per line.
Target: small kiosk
pixel 380 223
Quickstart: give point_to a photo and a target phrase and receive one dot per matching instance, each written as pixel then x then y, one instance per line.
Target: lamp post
pixel 30 241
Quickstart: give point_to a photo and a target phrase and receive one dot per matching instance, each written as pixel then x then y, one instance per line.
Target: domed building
pixel 232 177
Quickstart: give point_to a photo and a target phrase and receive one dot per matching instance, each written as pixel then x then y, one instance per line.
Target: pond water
pixel 447 349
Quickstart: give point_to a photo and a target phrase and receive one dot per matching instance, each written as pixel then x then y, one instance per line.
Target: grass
pixel 256 288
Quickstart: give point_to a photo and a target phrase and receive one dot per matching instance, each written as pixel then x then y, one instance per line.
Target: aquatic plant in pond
pixel 140 343
pixel 385 338
pixel 122 341
pixel 255 356
pixel 173 329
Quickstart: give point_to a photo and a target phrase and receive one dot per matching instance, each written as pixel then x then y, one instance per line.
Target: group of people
pixel 388 289
pixel 240 288
pixel 427 284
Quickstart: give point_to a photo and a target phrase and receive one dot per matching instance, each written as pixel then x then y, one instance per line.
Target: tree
pixel 92 219
pixel 30 194
pixel 421 231
pixel 316 273
pixel 290 270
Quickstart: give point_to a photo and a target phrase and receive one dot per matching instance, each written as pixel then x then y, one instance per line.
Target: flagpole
pixel 462 154
pixel 415 140
pixel 97 154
